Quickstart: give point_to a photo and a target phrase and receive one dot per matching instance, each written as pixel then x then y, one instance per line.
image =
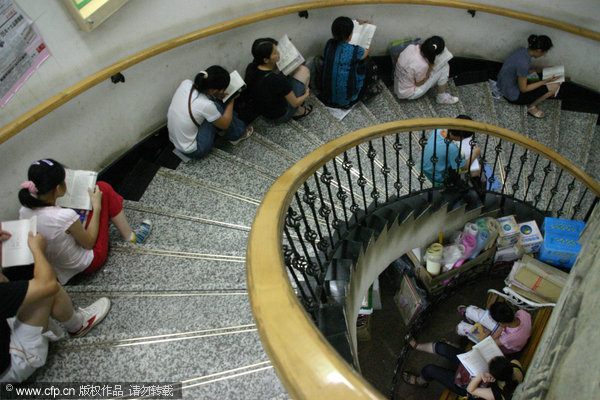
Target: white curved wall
pixel 99 125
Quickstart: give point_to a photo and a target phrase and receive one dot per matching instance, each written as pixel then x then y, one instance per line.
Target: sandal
pixel 249 132
pixel 536 112
pixel 413 379
pixel 307 110
pixel 462 310
pixel 411 341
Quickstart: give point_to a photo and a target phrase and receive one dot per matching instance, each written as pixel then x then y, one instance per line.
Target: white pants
pixel 473 314
pixel 439 77
pixel 28 350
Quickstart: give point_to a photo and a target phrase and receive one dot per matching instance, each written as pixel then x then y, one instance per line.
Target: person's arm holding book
pixel 224 120
pixel 496 335
pixel 483 393
pixel 87 237
pixel 4 235
pixel 525 87
pixel 367 51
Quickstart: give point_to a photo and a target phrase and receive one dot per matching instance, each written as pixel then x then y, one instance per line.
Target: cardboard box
pixel 540 278
pixel 509 231
pixel 562 227
pixel 559 250
pixel 530 237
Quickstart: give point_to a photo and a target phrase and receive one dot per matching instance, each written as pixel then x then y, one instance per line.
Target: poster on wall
pixel 22 49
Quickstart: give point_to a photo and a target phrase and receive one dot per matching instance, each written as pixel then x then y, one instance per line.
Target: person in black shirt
pixel 26 305
pixel 274 95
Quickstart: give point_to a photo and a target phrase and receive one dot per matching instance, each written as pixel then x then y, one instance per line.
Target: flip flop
pixel 408 339
pixel 413 379
pixel 307 110
pixel 538 114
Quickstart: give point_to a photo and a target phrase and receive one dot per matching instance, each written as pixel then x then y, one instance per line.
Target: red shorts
pixel 112 205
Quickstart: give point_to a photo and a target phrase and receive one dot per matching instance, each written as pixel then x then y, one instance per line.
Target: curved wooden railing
pixel 308 366
pixel 28 118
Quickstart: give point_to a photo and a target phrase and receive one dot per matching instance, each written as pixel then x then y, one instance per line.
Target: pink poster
pixel 22 49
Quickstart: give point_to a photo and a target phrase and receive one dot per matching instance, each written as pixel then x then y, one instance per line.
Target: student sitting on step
pixel 274 95
pixel 72 247
pixel 416 72
pixel 196 114
pixel 514 327
pixel 27 301
pixel 447 154
pixel 512 78
pixel 347 75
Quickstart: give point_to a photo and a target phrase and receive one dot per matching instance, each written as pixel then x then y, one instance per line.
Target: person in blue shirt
pixel 446 143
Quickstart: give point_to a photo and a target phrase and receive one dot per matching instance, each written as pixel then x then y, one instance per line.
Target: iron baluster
pixel 309 234
pixel 483 158
pixel 341 194
pixel 507 169
pixel 385 170
pixel 422 143
pixel 372 154
pixel 434 159
pixel 515 185
pixel 554 190
pixel 326 178
pixel 324 210
pixel 347 166
pixel 362 182
pixel 547 170
pixel 410 163
pixel 570 188
pixel 445 174
pixel 397 148
pixel 577 206
pixel 310 198
pixel 492 178
pixel 295 262
pixel 591 209
pixel 531 176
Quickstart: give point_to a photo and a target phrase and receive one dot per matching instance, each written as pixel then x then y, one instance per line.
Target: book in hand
pixel 557 71
pixel 442 59
pixel 482 328
pixel 478 359
pixel 15 251
pixel 289 56
pixel 362 34
pixel 77 196
pixel 236 85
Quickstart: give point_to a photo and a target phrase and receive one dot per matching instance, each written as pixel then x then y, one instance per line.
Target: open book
pixel 478 359
pixel 289 56
pixel 362 35
pixel 558 71
pixel 15 251
pixel 77 196
pixel 482 328
pixel 236 85
pixel 442 59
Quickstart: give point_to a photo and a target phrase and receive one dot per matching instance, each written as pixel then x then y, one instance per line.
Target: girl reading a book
pixel 347 76
pixel 418 70
pixel 512 78
pixel 274 95
pixel 503 378
pixel 196 114
pixel 72 246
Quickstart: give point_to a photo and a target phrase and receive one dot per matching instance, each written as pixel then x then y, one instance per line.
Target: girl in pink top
pixel 416 72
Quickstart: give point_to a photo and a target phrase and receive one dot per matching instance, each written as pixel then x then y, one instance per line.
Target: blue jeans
pixel 298 88
pixel 207 131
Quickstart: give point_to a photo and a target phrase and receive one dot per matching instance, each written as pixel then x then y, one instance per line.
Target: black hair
pixel 342 28
pixel 46 175
pixel 501 312
pixel 215 77
pixel 541 42
pixel 460 133
pixel 502 369
pixel 261 48
pixel 432 47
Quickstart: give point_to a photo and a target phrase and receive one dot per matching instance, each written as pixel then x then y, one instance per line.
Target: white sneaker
pixel 446 98
pixel 92 316
pixel 249 132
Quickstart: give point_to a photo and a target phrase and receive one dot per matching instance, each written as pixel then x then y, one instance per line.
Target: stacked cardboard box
pixel 537 281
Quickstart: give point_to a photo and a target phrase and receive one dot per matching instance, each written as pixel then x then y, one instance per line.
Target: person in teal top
pixel 447 156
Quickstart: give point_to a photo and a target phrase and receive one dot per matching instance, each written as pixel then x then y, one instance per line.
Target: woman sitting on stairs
pixel 512 78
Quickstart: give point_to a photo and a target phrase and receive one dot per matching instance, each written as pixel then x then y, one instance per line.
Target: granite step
pixel 290 136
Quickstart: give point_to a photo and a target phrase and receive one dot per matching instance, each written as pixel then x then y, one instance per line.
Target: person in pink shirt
pixel 416 72
pixel 514 327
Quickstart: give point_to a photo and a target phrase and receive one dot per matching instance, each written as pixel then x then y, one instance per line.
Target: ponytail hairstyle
pixel 44 176
pixel 215 77
pixel 342 28
pixel 432 47
pixel 541 42
pixel 502 369
pixel 261 48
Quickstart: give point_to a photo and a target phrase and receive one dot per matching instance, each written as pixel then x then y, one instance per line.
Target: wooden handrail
pixel 307 365
pixel 39 111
